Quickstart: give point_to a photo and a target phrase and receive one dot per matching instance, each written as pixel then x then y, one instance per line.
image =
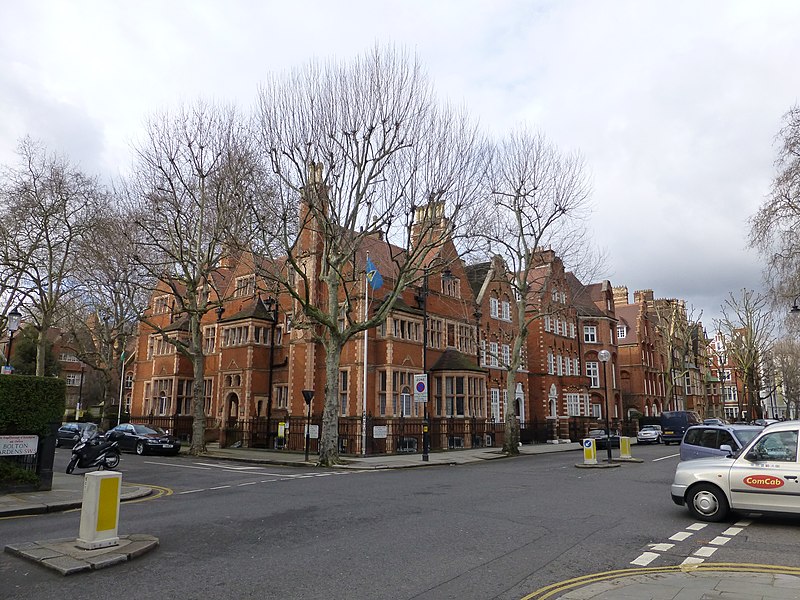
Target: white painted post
pixel 589 452
pixel 100 510
pixel 625 447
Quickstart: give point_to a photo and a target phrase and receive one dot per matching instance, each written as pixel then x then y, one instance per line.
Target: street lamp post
pixel 14 318
pixel 605 356
pixel 80 395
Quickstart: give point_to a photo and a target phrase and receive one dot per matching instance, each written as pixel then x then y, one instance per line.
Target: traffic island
pixel 66 557
pixel 597 465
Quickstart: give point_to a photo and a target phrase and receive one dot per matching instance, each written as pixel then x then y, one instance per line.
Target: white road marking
pixel 662 547
pixel 732 531
pixel 743 523
pixel 147 462
pixel 248 483
pixel 645 559
pixel 665 457
pixel 190 492
pixel 720 540
pixel 705 551
pixel 692 560
pixel 680 536
pixel 267 480
pixel 228 467
pixel 697 526
pixel 219 487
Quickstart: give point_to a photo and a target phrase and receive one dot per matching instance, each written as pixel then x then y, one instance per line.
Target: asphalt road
pixel 499 529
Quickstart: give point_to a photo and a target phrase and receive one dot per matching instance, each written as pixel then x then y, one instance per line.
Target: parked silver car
pixel 763 477
pixel 703 441
pixel 649 434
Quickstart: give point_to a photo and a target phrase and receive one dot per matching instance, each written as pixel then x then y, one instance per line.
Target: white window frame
pixel 494 308
pixel 590 334
pixel 494 393
pixel 506 312
pixel 593 373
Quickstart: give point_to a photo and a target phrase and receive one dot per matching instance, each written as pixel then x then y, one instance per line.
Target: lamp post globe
pixel 14 318
pixel 605 356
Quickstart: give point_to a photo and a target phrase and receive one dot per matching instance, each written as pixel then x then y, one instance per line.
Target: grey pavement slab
pixel 66 557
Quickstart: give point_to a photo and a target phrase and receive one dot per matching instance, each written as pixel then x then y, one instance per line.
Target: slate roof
pixel 256 310
pixel 476 275
pixel 453 360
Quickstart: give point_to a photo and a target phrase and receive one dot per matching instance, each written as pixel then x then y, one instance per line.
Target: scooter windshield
pixel 89 432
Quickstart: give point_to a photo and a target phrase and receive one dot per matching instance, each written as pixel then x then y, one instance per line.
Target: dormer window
pixel 161 305
pixel 451 287
pixel 245 286
pixel 622 331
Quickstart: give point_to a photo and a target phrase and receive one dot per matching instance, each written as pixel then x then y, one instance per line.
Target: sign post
pixel 308 396
pixel 589 452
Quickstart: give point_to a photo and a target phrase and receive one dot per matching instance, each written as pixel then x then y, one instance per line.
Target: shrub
pixel 29 404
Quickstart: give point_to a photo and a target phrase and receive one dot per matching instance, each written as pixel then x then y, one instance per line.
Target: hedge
pixel 29 404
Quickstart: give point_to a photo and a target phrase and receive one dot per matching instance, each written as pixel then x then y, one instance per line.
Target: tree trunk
pixel 198 445
pixel 329 436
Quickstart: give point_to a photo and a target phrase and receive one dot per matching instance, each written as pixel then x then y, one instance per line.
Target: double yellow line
pixel 158 492
pixel 550 591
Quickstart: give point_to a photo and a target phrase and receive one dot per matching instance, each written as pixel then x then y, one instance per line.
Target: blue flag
pixel 373 276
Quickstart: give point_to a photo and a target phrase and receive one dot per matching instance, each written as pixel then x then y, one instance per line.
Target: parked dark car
pixel 674 424
pixel 600 438
pixel 144 439
pixel 69 434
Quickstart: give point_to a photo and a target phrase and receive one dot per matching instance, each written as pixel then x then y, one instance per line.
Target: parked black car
pixel 144 439
pixel 69 434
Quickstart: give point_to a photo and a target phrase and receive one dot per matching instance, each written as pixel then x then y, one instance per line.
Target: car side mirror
pixel 727 449
pixel 753 456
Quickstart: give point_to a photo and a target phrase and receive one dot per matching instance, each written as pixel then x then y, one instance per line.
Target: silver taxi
pixel 763 477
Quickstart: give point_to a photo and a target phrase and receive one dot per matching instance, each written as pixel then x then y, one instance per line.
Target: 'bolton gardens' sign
pixel 18 445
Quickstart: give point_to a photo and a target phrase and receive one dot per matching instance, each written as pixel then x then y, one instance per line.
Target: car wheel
pixel 140 448
pixel 58 443
pixel 658 440
pixel 706 502
pixel 666 443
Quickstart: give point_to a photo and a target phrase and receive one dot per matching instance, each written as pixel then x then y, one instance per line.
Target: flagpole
pixel 364 383
pixel 121 386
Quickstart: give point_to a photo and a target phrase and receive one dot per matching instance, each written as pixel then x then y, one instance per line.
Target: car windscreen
pixel 745 436
pixel 145 430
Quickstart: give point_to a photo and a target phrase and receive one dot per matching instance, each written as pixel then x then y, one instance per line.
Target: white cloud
pixel 673 104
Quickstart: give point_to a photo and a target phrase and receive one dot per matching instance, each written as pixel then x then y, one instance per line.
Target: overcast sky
pixel 674 105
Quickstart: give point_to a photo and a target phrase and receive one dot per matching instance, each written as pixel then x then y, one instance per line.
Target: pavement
pixel 704 581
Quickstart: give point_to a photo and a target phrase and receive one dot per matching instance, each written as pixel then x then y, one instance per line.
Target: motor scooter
pixel 93 451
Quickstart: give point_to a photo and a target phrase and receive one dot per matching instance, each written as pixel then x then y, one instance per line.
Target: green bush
pixel 12 474
pixel 29 404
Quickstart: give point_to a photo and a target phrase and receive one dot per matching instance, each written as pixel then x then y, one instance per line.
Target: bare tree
pixel 103 319
pixel 362 147
pixel 186 207
pixel 786 355
pixel 775 228
pixel 48 209
pixel 747 326
pixel 677 329
pixel 539 198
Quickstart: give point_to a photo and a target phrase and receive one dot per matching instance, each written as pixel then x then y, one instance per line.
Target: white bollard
pixel 100 510
pixel 589 452
pixel 625 447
